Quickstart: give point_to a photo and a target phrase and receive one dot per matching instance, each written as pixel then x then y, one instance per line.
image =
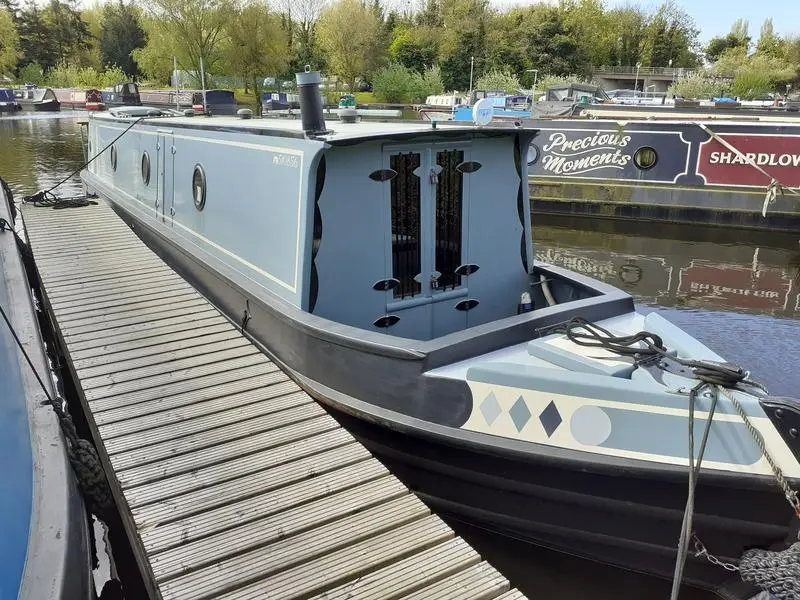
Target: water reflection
pixel 685 267
pixel 40 150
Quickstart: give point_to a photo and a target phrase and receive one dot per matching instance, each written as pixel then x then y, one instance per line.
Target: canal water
pixel 737 291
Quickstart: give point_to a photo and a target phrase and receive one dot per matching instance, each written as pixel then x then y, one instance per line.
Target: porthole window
pixel 533 154
pixel 145 168
pixel 114 158
pixel 645 158
pixel 199 187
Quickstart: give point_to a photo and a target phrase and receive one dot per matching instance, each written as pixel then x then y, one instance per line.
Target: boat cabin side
pixel 412 236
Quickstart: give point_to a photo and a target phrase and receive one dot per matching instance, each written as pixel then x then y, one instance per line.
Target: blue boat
pixel 8 102
pixel 44 546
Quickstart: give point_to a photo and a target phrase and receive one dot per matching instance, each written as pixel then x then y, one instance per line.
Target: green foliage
pixel 31 73
pixel 194 31
pixel 499 80
pixel 414 48
pixel 9 42
pixel 699 86
pixel 65 75
pixel 397 84
pixel 718 45
pixel 121 34
pixel 257 46
pixel 346 32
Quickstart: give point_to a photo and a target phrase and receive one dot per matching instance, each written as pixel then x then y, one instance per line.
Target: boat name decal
pixel 285 160
pixel 585 154
pixel 760 158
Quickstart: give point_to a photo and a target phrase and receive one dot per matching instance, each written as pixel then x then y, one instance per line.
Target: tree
pixel 346 32
pixel 414 48
pixel 631 29
pixel 718 45
pixel 672 36
pixel 552 47
pixel 69 33
pixel 155 59
pixel 36 38
pixel 299 20
pixel 768 43
pixel 122 33
pixel 463 38
pixel 194 31
pixel 9 42
pixel 257 46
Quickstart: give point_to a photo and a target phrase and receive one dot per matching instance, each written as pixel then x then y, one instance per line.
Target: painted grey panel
pixel 355 218
pixel 264 237
pixel 667 435
pixel 494 231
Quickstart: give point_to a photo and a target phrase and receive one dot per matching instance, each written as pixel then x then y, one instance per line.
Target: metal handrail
pixel 628 70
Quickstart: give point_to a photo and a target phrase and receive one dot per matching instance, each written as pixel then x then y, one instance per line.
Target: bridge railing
pixel 675 72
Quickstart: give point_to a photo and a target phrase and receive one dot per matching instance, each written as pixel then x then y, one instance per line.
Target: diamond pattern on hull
pixel 520 414
pixel 550 418
pixel 490 409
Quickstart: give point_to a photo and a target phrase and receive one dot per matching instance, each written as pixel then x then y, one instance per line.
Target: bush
pixel 65 75
pixel 398 84
pixel 31 73
pixel 499 80
pixel 698 86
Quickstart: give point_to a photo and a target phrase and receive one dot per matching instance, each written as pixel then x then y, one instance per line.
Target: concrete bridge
pixel 651 79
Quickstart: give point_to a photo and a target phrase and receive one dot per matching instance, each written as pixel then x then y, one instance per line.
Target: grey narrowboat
pixel 37 99
pixel 45 549
pixel 389 268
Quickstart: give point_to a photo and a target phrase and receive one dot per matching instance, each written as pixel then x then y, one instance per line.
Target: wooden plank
pixel 100 355
pixel 148 366
pixel 151 464
pixel 481 582
pixel 360 534
pixel 416 571
pixel 335 487
pixel 222 361
pixel 290 408
pixel 195 322
pixel 231 370
pixel 209 498
pixel 197 398
pixel 152 353
pixel 197 475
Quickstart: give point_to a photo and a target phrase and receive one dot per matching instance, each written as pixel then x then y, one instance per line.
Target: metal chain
pixel 701 551
pixel 788 492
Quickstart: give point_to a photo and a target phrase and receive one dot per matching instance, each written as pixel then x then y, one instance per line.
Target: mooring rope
pixel 777 572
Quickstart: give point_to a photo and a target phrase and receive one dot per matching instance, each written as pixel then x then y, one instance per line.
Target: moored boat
pixel 719 172
pixel 37 99
pixel 122 94
pixel 94 100
pixel 389 268
pixel 45 548
pixel 8 103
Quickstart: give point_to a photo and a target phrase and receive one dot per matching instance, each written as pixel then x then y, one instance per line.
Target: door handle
pixel 171 211
pixel 434 176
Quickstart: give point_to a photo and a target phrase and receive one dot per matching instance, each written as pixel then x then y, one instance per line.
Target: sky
pixel 715 17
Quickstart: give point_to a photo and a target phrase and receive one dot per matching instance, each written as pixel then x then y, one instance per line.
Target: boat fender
pixel 525 303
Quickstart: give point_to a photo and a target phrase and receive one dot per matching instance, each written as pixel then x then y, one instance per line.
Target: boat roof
pixel 338 132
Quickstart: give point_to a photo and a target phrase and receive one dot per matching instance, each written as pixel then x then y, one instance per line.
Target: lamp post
pixel 535 75
pixel 636 80
pixel 471 69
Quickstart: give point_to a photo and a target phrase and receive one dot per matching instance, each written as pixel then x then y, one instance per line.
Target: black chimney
pixel 310 101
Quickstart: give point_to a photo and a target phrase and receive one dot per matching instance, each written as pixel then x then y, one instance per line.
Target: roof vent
pixel 244 113
pixel 310 101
